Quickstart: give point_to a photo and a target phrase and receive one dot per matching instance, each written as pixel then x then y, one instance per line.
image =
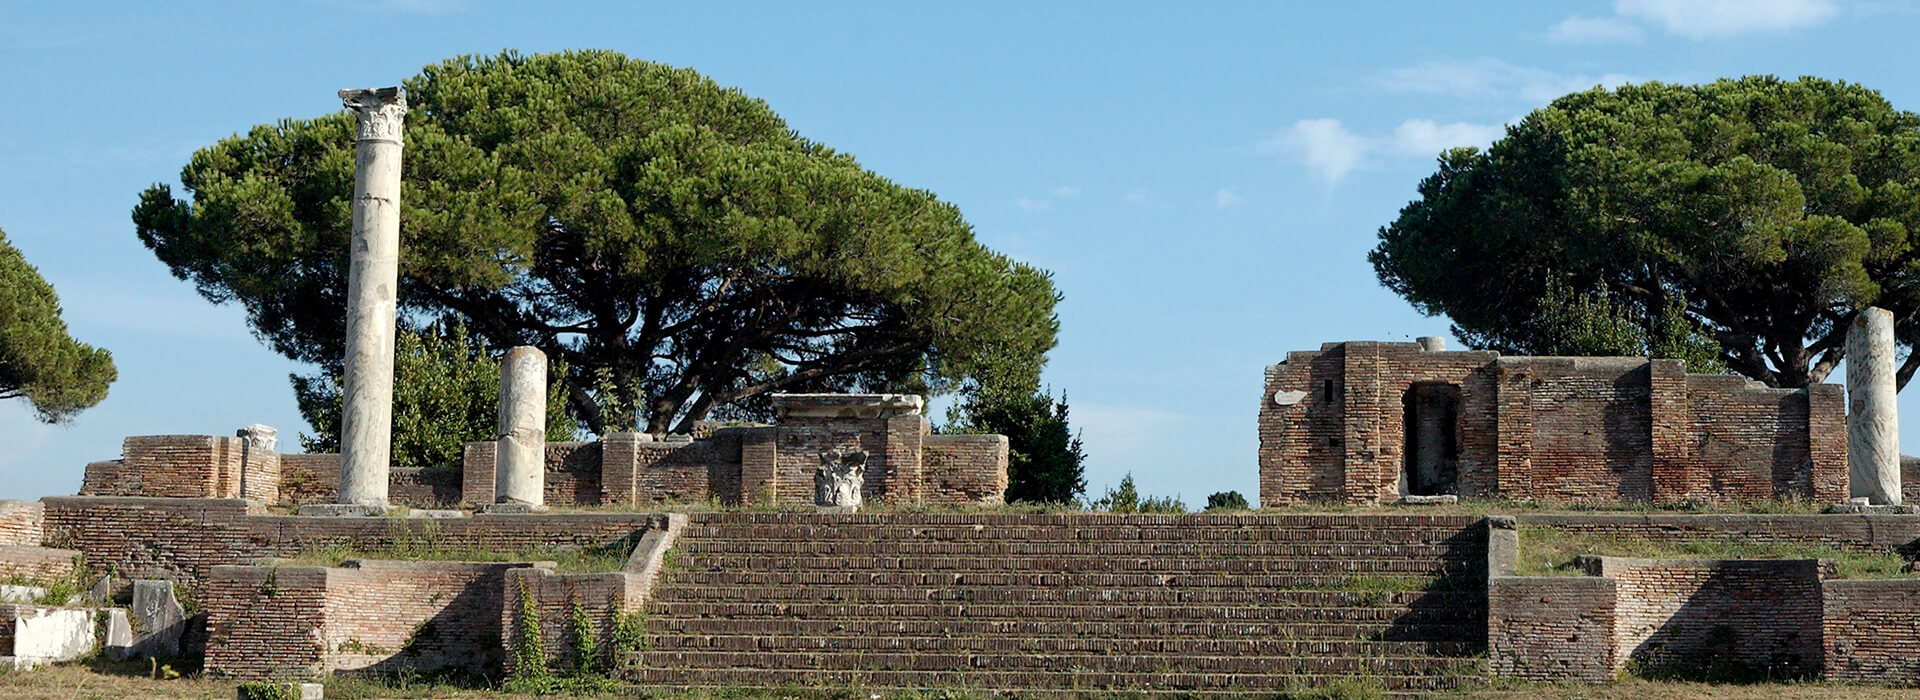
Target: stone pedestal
pixel 1873 424
pixel 521 457
pixel 1432 343
pixel 373 281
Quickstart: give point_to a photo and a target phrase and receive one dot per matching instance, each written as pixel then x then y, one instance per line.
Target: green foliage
pixel 583 640
pixel 39 362
pixel 681 249
pixel 267 690
pixel 1126 498
pixel 1337 689
pixel 1045 460
pixel 1546 551
pixel 527 649
pixel 446 393
pixel 1227 500
pixel 629 635
pixel 1763 212
pixel 1568 323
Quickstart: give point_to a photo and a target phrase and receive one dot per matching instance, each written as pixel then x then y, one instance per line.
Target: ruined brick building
pixel 1371 422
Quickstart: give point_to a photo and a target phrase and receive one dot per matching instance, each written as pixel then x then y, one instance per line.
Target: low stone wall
pixel 604 597
pixel 1871 533
pixel 41 563
pixel 384 616
pixel 309 478
pixel 182 539
pixel 1552 628
pixel 965 468
pixel 1760 616
pixel 1871 630
pixel 20 523
pixel 174 466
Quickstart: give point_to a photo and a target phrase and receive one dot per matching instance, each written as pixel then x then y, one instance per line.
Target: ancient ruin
pixel 1367 422
pixel 848 544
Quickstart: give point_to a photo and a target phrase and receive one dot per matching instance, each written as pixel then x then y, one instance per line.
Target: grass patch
pixel 596 559
pixel 1550 552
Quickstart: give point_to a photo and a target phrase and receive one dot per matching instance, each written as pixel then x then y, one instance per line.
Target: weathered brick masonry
pixel 384 616
pixel 20 523
pixel 906 464
pixel 1761 616
pixel 1871 630
pixel 1366 422
pixel 1781 618
pixel 183 539
pixel 1552 628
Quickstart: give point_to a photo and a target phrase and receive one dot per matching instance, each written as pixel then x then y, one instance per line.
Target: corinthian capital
pixel 382 111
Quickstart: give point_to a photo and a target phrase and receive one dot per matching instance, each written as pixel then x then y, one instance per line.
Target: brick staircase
pixel 1068 603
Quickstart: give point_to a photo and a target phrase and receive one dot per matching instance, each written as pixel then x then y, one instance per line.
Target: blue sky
pixel 1204 179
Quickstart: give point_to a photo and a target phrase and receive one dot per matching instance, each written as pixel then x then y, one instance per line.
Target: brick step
pixel 1110 663
pixel 1018 681
pixel 902 547
pixel 1191 521
pixel 1161 595
pixel 1471 631
pixel 989 611
pixel 758 562
pixel 805 532
pixel 1030 579
pixel 1056 645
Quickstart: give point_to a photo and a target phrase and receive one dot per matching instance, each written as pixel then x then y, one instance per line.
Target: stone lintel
pixel 342 510
pixel 846 405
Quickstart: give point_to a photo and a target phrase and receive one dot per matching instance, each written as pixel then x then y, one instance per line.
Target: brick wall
pixel 20 523
pixel 603 596
pixel 177 466
pixel 964 468
pixel 1873 533
pixel 384 616
pixel 1871 631
pixel 422 487
pixel 315 478
pixel 1552 628
pixel 1591 424
pixel 802 441
pixel 38 563
pixel 266 621
pixel 183 539
pixel 572 477
pixel 1755 615
pixel 1577 429
pixel 309 478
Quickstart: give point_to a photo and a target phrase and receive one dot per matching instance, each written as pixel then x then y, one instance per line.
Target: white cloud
pixel 1331 151
pixel 1225 198
pixel 1326 146
pixel 1030 204
pixel 1066 192
pixel 1141 197
pixel 1421 137
pixel 1701 19
pixel 1593 30
pixel 1491 78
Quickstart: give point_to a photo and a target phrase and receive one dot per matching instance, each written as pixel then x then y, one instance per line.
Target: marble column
pixel 366 414
pixel 520 462
pixel 1873 425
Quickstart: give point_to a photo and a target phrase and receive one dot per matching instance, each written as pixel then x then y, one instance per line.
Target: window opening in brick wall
pixel 1431 428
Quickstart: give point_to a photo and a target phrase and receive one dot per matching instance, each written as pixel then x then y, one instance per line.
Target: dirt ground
pixel 75 682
